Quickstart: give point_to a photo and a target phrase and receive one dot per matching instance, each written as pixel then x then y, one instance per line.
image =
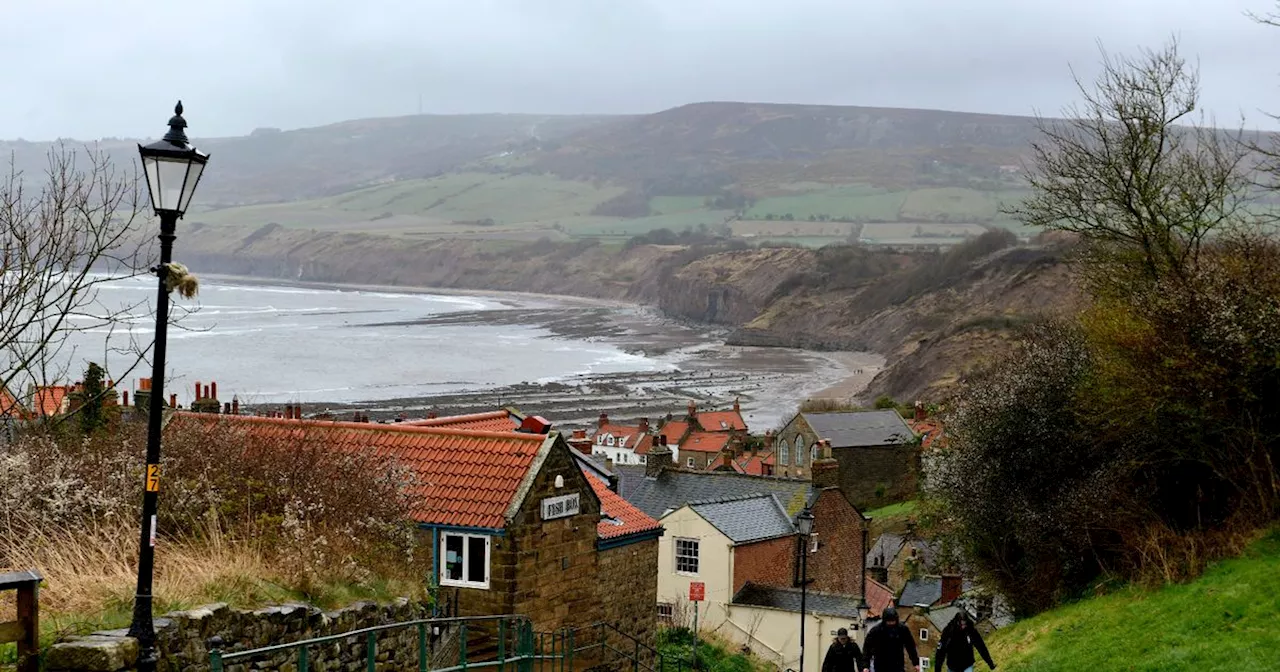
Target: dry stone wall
pixel 182 639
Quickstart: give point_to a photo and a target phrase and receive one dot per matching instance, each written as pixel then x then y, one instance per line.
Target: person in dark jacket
pixel 959 639
pixel 885 644
pixel 843 655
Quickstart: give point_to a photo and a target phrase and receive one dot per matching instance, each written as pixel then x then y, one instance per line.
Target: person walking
pixel 843 655
pixel 886 643
pixel 959 639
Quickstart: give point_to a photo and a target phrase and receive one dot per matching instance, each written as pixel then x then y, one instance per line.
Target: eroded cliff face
pixel 788 297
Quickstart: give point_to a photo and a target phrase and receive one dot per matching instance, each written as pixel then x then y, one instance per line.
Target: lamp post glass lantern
pixel 804 525
pixel 173 170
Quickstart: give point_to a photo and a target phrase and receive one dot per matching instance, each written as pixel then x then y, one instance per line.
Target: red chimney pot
pixel 197 390
pixel 173 401
pixel 124 397
pixel 213 387
pixel 235 405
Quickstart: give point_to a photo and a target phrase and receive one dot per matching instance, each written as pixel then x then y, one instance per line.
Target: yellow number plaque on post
pixel 153 478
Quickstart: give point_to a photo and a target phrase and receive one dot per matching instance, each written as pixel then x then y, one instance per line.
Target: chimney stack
pixel 235 405
pixel 288 411
pixel 604 419
pixel 659 459
pixel 921 414
pixel 198 397
pixel 693 409
pixel 737 408
pixel 825 471
pixel 952 587
pixel 206 392
pixel 124 397
pixel 226 408
pixel 769 439
pixel 213 390
pixel 173 401
pixel 644 425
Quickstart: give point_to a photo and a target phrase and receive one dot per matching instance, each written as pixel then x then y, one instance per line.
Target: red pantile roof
pixel 465 478
pixel 879 597
pixel 9 405
pixel 624 437
pixel 705 442
pixel 722 421
pixel 755 465
pixel 492 421
pixel 675 430
pixel 929 429
pixel 48 399
pixel 623 518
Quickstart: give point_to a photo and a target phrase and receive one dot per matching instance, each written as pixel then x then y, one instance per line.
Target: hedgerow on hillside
pixel 1141 439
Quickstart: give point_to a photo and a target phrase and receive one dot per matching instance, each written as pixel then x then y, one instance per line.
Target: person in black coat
pixel 885 644
pixel 843 654
pixel 959 639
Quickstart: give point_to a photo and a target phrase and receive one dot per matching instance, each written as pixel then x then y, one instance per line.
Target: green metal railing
pixel 519 648
pixel 509 627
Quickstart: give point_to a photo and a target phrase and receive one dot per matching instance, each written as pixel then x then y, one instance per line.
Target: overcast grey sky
pixel 91 68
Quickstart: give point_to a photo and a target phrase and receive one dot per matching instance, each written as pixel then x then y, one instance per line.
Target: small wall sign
pixel 561 506
pixel 697 591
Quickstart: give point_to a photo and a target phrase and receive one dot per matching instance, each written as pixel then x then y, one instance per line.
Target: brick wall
pixel 837 566
pixel 865 471
pixel 628 589
pixel 770 562
pixel 916 622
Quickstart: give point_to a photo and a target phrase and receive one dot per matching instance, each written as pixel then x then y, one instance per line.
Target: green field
pixel 1228 619
pixel 955 203
pixel 432 204
pixel 849 202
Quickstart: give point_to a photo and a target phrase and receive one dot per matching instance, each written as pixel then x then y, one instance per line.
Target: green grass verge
pixel 675 645
pixel 894 510
pixel 1228 619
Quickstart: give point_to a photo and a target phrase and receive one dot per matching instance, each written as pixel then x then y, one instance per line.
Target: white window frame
pixel 813 542
pixel 689 462
pixel 666 612
pixel 466 548
pixel 697 555
pixel 924 664
pixel 924 634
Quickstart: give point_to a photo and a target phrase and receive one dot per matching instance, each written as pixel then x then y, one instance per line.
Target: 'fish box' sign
pixel 562 506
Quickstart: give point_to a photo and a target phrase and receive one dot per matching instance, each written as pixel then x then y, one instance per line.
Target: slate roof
pixel 884 550
pixel 927 591
pixel 942 616
pixel 492 421
pixel 846 429
pixel 746 519
pixel 788 599
pixel 673 488
pixel 464 478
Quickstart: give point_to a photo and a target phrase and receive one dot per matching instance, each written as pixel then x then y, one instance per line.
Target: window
pixel 609 440
pixel 924 663
pixel 813 542
pixel 924 634
pixel 689 462
pixel 711 460
pixel 642 458
pixel 813 453
pixel 784 451
pixel 666 612
pixel 466 560
pixel 687 556
pixel 799 450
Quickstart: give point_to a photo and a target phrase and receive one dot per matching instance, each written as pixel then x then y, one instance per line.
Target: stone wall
pixel 182 639
pixel 872 477
pixel 628 591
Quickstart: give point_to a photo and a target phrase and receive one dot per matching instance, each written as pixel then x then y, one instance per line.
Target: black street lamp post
pixel 804 525
pixel 172 169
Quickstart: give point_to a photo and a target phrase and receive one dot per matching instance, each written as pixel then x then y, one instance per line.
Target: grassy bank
pixel 1228 619
pixel 90 574
pixel 714 655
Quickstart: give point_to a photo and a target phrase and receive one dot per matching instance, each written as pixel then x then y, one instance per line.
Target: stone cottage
pixel 878 453
pixel 516 524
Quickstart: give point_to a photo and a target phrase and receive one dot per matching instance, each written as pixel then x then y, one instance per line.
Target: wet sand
pixel 770 383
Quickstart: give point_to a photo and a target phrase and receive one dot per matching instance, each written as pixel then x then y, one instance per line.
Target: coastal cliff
pixel 934 316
